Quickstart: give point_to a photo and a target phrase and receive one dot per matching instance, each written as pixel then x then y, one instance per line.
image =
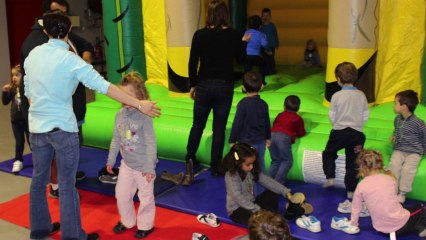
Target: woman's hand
pixel 149 108
pixel 192 93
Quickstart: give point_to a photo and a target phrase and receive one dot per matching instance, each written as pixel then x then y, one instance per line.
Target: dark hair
pixel 252 81
pixel 47 3
pixel 56 24
pixel 292 103
pixel 266 10
pixel 18 68
pixel 313 43
pixel 134 79
pixel 217 15
pixel 347 72
pixel 254 22
pixel 235 158
pixel 266 225
pixel 409 98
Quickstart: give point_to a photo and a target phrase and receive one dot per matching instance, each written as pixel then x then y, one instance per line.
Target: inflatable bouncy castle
pixel 154 38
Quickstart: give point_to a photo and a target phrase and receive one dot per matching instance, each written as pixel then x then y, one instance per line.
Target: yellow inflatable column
pixel 401 44
pixel 351 38
pixel 183 18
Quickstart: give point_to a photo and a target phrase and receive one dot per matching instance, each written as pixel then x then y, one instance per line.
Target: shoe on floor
pixel 209 219
pixel 56 226
pixel 346 207
pixel 17 166
pixel 310 223
pixel 143 233
pixel 329 183
pixel 53 193
pixel 107 178
pixel 199 236
pixel 80 175
pixel 92 236
pixel 174 178
pixel 119 228
pixel 343 224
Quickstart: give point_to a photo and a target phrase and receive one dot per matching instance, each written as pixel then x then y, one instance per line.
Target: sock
pixel 54 186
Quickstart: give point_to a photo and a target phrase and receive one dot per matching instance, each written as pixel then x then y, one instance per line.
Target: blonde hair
pixel 134 79
pixel 370 160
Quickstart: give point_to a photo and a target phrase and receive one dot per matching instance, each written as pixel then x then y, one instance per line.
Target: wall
pixel 4 47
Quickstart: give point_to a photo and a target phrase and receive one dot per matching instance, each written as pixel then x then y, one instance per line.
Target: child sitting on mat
pixel 134 138
pixel 242 169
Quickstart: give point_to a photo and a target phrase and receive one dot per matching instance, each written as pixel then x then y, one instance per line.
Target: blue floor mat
pixel 208 194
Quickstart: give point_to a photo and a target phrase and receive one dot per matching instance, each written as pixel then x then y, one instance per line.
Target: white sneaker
pixel 17 166
pixel 343 224
pixel 209 219
pixel 329 183
pixel 199 236
pixel 346 207
pixel 401 198
pixel 310 223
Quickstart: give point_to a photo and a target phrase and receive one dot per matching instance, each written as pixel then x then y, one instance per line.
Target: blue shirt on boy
pixel 271 35
pixel 257 40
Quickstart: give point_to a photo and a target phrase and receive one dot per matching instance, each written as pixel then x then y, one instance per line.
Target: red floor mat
pixel 99 214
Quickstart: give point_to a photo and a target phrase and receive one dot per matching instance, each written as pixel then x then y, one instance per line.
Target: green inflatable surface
pixel 172 128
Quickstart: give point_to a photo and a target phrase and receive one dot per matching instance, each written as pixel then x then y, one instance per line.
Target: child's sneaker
pixel 199 236
pixel 343 224
pixel 17 166
pixel 310 223
pixel 346 207
pixel 209 219
pixel 107 178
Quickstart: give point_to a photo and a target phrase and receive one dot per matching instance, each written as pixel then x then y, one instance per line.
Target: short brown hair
pixel 346 72
pixel 135 79
pixel 252 81
pixel 217 15
pixel 409 98
pixel 266 225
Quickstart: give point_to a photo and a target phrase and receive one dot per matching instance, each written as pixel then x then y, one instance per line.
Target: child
pixel 269 29
pixel 378 191
pixel 251 123
pixel 242 171
pixel 287 126
pixel 19 125
pixel 311 55
pixel 134 138
pixel 409 142
pixel 254 45
pixel 348 114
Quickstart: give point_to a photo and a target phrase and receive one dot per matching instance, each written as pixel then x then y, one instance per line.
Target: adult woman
pixel 213 48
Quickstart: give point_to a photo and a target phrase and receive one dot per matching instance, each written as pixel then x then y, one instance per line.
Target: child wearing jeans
pixel 134 138
pixel 10 94
pixel 287 126
pixel 409 140
pixel 378 191
pixel 242 171
pixel 348 113
pixel 251 123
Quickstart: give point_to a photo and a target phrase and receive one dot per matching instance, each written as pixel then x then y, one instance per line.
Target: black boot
pixel 189 176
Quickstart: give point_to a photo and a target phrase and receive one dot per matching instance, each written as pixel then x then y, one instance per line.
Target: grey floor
pixel 12 186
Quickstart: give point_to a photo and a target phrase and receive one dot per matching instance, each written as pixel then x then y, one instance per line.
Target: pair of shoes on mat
pixel 346 207
pixel 199 236
pixel 343 224
pixel 310 223
pixel 17 166
pixel 296 206
pixel 209 219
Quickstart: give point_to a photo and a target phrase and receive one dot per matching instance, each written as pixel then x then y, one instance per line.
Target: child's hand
pixel 148 176
pixel 192 93
pixel 109 169
pixel 268 142
pixel 392 138
pixel 246 37
pixel 6 88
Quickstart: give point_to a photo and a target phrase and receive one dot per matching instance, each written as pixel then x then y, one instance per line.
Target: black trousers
pixel 267 200
pixel 352 141
pixel 417 212
pixel 20 131
pixel 252 61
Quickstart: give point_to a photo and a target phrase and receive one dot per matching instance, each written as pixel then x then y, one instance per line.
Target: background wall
pixel 296 22
pixel 4 47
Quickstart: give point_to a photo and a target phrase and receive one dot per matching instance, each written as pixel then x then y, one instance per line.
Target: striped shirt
pixel 410 135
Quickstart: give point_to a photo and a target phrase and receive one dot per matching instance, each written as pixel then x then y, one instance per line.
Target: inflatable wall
pixel 173 127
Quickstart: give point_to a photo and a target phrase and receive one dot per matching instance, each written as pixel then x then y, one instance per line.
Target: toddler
pixel 134 138
pixel 287 126
pixel 311 56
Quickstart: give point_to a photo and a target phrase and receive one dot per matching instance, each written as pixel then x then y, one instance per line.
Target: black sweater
pixel 15 108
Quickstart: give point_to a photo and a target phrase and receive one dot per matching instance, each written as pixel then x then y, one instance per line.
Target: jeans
pixel 260 148
pixel 281 156
pixel 66 147
pixel 211 94
pixel 20 130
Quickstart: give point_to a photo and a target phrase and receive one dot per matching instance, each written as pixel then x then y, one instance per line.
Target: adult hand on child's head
pixel 149 176
pixel 6 88
pixel 149 108
pixel 109 169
